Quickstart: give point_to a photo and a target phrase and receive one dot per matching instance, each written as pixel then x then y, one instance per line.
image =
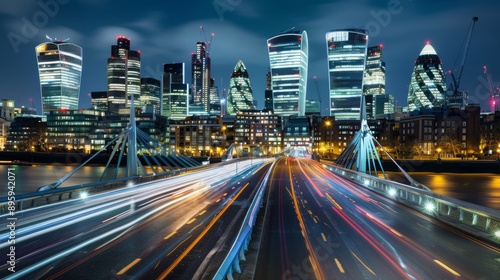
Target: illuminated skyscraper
pixel 60 71
pixel 240 96
pixel 200 78
pixel 428 83
pixel 374 79
pixel 268 93
pixel 150 95
pixel 346 50
pixel 175 92
pixel 124 76
pixel 214 107
pixel 288 58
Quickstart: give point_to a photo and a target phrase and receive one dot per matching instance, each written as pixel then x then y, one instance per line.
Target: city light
pixel 429 206
pixel 84 194
pixel 392 192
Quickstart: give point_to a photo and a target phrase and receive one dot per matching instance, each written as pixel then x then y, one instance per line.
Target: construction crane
pixel 494 93
pixel 319 95
pixel 456 82
pixel 208 43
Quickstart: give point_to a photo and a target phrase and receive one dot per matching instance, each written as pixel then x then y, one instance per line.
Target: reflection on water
pixel 482 189
pixel 30 178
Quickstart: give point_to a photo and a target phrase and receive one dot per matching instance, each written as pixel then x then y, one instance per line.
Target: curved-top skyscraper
pixel 60 71
pixel 240 96
pixel 288 58
pixel 427 85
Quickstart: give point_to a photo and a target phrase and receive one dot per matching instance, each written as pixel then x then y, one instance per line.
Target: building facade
pixel 259 128
pixel 27 134
pixel 60 72
pixel 288 59
pixel 200 77
pixel 346 51
pixel 374 78
pixel 427 84
pixel 124 76
pixel 69 130
pixel 215 105
pixel 175 91
pixel 99 100
pixel 195 136
pixel 150 99
pixel 445 133
pixel 240 96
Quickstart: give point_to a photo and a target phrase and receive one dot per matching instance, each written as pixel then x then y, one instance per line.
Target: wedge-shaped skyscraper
pixel 240 96
pixel 427 85
pixel 60 71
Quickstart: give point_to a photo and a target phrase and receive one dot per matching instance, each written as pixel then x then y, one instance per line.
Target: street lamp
pixel 438 150
pixel 328 123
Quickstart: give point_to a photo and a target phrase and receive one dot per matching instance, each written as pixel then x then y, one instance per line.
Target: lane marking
pixel 178 245
pixel 202 212
pixel 170 235
pixel 323 236
pixel 129 266
pixel 191 221
pixel 363 263
pixel 333 201
pixel 200 236
pixel 447 268
pixel 339 265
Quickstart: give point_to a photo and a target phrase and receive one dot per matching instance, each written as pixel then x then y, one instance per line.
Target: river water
pixel 481 189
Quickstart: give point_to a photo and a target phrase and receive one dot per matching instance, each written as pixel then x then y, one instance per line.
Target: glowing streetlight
pixel 430 207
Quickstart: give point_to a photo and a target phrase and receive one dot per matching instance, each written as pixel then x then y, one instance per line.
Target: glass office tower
pixel 288 58
pixel 428 83
pixel 60 72
pixel 240 96
pixel 346 50
pixel 175 91
pixel 200 77
pixel 150 95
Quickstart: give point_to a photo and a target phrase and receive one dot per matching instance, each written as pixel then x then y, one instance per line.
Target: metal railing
pixel 236 254
pixel 50 196
pixel 476 220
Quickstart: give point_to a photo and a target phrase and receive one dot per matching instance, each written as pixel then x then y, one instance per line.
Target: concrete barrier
pixel 236 254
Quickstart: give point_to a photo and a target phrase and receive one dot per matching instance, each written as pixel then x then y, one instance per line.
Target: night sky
pixel 167 31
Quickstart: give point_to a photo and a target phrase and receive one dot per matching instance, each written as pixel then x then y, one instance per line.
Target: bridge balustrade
pixel 477 220
pixel 51 196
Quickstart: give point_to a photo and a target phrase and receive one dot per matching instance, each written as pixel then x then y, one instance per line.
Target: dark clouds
pixel 167 31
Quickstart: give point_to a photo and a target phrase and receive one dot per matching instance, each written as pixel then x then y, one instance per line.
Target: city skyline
pixel 166 34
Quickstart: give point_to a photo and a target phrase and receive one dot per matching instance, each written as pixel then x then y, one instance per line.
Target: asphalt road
pixel 321 226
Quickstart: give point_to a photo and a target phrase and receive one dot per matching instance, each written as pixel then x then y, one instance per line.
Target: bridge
pixel 248 218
